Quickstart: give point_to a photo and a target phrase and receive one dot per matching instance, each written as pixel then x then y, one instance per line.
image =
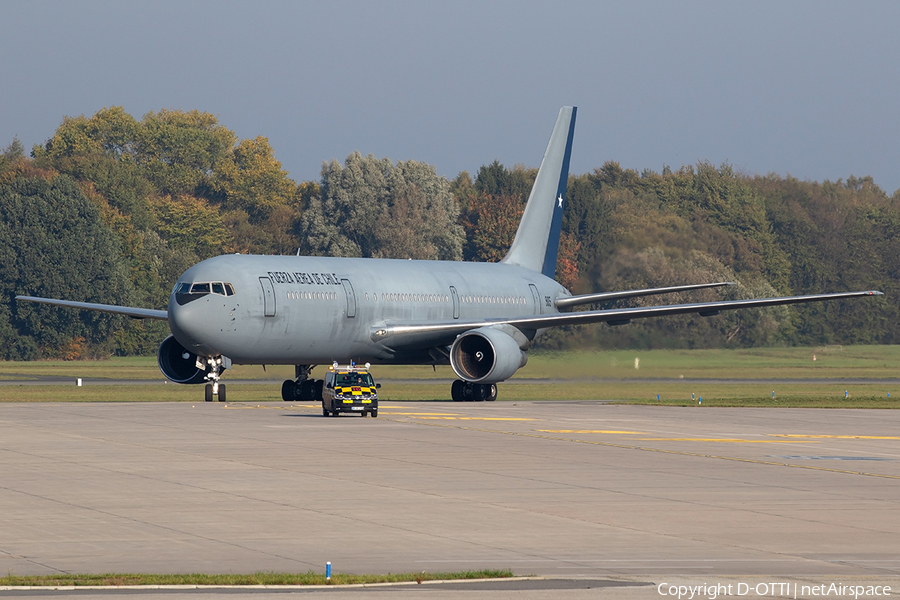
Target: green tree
pixel 179 149
pixel 371 207
pixel 53 243
pixel 11 154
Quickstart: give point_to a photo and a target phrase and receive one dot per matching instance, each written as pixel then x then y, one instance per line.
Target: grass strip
pixel 260 578
pixel 863 362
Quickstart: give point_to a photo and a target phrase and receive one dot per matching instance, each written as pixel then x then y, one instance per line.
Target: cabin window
pixel 218 288
pixel 200 288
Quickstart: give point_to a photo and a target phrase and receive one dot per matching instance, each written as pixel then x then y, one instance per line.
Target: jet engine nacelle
pixel 177 363
pixel 486 355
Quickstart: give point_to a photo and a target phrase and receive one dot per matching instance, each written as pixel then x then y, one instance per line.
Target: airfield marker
pixel 79 382
pixel 328 571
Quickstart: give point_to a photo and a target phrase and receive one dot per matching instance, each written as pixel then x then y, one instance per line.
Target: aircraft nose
pixel 188 321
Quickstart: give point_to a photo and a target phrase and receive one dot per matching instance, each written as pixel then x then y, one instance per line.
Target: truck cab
pixel 349 389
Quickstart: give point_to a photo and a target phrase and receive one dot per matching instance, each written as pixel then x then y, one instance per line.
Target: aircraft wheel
pixel 209 395
pixel 306 390
pixel 456 390
pixel 479 392
pixel 287 390
pixel 492 392
pixel 221 393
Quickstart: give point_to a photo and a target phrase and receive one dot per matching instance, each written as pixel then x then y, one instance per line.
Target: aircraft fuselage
pixel 315 310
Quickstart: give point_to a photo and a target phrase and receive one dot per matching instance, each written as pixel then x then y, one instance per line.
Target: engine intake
pixel 486 355
pixel 177 363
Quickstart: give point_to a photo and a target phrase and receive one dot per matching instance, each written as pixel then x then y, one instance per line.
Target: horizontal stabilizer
pixel 128 311
pixel 567 301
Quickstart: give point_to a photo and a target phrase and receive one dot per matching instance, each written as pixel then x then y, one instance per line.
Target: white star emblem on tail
pixel 560 199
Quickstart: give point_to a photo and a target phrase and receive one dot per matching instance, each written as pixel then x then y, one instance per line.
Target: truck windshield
pixel 363 379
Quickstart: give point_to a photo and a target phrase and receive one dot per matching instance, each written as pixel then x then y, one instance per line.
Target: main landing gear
pixel 463 391
pixel 302 388
pixel 213 366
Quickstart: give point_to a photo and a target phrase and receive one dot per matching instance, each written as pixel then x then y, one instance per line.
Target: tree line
pixel 113 209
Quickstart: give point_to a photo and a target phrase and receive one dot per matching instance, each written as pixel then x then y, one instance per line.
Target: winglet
pixel 537 239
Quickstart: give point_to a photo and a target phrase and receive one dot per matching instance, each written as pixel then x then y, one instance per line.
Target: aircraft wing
pixel 128 311
pixel 396 335
pixel 568 301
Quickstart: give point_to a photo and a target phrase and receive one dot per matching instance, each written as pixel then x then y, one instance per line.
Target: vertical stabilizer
pixel 537 239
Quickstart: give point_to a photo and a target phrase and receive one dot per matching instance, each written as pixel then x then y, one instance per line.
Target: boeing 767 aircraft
pixel 481 318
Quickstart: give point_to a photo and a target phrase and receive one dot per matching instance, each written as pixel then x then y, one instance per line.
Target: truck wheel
pixel 374 414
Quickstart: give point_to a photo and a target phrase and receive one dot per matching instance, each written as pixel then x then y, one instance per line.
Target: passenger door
pixel 351 298
pixel 536 296
pixel 268 296
pixel 455 297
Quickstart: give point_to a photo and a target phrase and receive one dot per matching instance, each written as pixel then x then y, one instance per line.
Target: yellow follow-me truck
pixel 349 389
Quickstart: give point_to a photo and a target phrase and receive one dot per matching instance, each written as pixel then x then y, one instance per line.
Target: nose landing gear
pixel 213 366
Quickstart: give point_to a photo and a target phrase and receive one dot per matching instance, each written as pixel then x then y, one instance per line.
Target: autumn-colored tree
pixel 189 222
pixel 491 222
pixel 567 261
pixel 250 178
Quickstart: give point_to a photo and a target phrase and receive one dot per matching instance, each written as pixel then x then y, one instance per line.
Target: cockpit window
pixel 199 289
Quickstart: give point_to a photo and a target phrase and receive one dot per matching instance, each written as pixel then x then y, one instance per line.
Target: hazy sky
pixel 810 89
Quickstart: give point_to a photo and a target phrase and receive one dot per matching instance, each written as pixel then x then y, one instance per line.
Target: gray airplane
pixel 481 318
